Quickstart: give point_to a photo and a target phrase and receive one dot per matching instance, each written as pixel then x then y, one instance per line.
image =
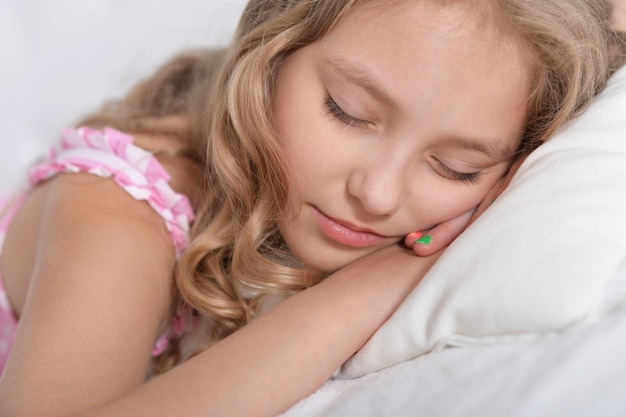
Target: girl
pixel 327 132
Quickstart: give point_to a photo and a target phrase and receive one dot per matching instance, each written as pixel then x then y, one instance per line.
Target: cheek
pixel 307 164
pixel 316 156
pixel 452 200
pixel 302 139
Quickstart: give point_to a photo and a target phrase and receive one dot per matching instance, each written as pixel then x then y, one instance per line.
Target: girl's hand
pixel 431 241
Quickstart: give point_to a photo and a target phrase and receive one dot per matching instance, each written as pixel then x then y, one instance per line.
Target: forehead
pixel 442 18
pixel 437 57
pixel 484 14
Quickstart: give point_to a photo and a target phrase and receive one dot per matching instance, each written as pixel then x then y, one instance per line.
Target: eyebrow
pixel 359 75
pixel 487 147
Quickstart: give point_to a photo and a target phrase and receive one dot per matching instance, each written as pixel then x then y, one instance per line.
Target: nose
pixel 378 185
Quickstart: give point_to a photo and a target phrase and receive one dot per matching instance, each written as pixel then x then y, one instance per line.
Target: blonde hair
pixel 237 257
pixel 572 50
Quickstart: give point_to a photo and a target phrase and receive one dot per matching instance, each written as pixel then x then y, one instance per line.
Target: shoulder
pixel 90 228
pixel 150 168
pixel 89 272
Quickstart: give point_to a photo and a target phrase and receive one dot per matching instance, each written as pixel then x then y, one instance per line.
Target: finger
pixel 413 238
pixel 439 236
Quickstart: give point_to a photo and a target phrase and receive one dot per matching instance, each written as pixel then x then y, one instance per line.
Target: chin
pixel 327 261
pixel 319 253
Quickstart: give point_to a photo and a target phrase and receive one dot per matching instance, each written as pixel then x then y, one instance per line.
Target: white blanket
pixel 579 373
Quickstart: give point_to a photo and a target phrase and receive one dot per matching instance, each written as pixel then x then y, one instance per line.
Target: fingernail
pixel 414 236
pixel 424 240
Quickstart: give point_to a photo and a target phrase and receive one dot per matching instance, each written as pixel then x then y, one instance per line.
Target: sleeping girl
pixel 222 239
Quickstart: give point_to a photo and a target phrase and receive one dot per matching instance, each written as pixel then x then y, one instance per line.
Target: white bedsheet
pixel 578 373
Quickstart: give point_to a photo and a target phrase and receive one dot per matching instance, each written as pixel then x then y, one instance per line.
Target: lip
pixel 347 233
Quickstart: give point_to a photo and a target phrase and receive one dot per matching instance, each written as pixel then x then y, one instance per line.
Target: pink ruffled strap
pixel 110 153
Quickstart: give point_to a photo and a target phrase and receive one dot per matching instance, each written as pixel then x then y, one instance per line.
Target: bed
pixel 530 323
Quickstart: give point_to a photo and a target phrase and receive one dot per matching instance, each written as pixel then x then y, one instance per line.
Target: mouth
pixel 346 233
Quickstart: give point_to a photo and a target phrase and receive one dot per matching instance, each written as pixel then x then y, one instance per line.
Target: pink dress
pixel 111 154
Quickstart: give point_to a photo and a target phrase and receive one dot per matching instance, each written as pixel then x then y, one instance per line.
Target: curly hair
pixel 237 261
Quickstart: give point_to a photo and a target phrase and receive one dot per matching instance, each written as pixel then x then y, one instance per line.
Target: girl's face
pixel 402 117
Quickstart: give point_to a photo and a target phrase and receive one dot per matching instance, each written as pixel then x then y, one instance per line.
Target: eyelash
pixel 337 112
pixel 333 108
pixel 468 177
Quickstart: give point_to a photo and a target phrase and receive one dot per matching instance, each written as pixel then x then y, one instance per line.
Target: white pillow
pixel 537 261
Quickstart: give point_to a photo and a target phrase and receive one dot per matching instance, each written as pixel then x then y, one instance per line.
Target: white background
pixel 61 59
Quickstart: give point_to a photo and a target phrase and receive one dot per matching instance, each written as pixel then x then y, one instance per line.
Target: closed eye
pixel 468 177
pixel 337 112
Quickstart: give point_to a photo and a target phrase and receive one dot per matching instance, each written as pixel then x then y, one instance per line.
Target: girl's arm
pixel 287 353
pixel 88 270
pixel 98 294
